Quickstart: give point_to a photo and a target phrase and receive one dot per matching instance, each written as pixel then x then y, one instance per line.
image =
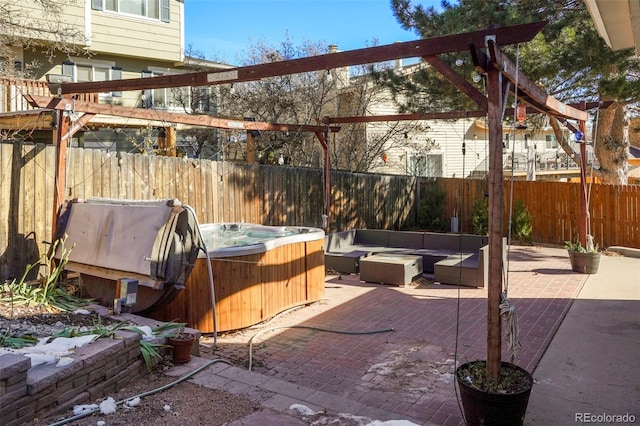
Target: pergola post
pixel 60 138
pixel 494 115
pixel 170 141
pixel 584 210
pixel 323 138
pixel 251 148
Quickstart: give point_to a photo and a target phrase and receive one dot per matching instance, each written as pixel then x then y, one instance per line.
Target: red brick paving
pixel 408 371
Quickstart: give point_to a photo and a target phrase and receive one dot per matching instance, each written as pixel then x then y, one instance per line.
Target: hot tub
pixel 258 272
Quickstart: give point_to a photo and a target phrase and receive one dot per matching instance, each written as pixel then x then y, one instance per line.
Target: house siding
pixel 449 136
pixel 112 34
pixel 123 35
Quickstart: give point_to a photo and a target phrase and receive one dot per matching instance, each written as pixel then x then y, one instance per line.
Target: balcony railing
pixel 12 91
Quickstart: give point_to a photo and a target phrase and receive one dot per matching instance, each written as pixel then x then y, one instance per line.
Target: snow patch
pixel 85 408
pixel 302 409
pixel 54 352
pixel 134 402
pixel 344 418
pixel 108 406
pixel 147 333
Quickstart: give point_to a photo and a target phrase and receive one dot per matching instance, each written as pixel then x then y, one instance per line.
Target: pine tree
pixel 568 59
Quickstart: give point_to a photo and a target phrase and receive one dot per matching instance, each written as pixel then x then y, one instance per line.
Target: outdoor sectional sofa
pixel 452 258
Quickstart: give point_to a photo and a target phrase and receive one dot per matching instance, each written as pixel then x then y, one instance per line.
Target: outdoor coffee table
pixel 399 269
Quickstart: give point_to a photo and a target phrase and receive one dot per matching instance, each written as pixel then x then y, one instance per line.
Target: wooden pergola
pixel 502 78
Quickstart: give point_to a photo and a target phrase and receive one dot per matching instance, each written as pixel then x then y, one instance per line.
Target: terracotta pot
pixel 181 347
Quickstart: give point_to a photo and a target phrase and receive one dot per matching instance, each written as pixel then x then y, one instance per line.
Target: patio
pixel 407 373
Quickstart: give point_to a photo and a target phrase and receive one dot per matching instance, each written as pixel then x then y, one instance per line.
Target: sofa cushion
pixel 335 242
pixel 473 243
pixel 373 237
pixel 440 241
pixel 406 239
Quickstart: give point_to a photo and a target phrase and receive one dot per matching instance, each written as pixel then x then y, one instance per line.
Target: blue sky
pixel 224 29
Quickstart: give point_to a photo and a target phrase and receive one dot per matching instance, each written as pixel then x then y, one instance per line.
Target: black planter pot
pixel 585 263
pixel 496 409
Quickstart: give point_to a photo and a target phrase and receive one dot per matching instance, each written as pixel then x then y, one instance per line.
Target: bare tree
pixel 307 98
pixel 359 146
pixel 199 142
pixel 36 25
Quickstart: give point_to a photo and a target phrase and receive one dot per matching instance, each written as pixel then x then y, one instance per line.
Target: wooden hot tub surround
pixel 249 288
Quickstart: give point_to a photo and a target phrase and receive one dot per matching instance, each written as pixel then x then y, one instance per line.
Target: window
pixel 506 141
pixel 153 9
pixel 429 165
pixel 90 71
pixel 551 142
pixel 163 98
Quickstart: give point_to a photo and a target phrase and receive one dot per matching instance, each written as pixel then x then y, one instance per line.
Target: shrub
pixel 480 217
pixel 432 208
pixel 521 227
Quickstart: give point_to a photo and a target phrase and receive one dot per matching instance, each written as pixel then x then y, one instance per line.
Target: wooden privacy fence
pixel 274 195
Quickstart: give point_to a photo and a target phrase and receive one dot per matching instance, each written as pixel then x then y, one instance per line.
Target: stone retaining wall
pixel 99 369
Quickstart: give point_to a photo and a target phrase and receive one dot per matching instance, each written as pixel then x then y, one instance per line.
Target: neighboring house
pixel 434 147
pixel 122 39
pixel 144 38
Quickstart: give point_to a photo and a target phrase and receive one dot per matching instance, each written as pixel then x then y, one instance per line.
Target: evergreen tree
pixel 568 59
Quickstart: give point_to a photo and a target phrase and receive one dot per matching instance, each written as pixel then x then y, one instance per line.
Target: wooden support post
pixel 584 210
pixel 251 148
pixel 327 179
pixel 162 141
pixel 494 112
pixel 324 138
pixel 170 141
pixel 60 142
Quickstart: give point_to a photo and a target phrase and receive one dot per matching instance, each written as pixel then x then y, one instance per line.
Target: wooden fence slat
pixel 273 195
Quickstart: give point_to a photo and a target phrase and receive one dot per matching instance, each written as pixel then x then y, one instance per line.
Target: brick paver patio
pixel 408 371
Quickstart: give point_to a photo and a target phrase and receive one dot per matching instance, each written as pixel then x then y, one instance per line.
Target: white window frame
pixel 426 172
pixel 170 103
pixel 162 6
pixel 114 73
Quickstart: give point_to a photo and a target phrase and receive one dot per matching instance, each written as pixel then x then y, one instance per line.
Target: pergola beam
pixel 460 82
pixel 411 49
pixel 527 90
pixel 406 117
pixel 169 117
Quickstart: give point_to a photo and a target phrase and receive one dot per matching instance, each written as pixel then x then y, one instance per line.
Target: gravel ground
pixel 184 404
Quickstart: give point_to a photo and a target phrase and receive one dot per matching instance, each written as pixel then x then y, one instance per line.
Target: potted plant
pixel 584 259
pixel 181 345
pixel 489 402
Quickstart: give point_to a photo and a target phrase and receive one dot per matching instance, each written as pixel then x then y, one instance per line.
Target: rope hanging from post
pixel 508 311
